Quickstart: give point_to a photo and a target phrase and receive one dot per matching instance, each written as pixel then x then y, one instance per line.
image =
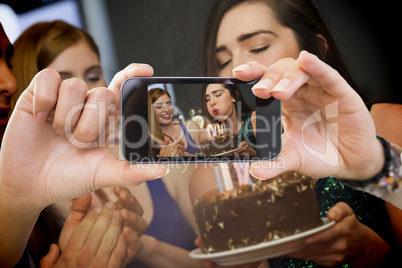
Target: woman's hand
pixel 127 211
pixel 245 150
pixel 171 146
pixel 348 241
pixel 55 148
pixel 328 130
pixel 95 242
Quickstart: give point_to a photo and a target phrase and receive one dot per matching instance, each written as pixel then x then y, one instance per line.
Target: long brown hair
pixel 299 15
pixel 39 45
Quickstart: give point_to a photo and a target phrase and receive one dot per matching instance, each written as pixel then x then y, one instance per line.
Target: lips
pixel 166 116
pixel 215 111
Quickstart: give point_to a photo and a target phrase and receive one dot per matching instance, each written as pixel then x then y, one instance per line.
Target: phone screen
pixel 193 119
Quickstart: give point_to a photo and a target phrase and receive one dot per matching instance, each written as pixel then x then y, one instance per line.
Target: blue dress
pixel 192 148
pixel 168 223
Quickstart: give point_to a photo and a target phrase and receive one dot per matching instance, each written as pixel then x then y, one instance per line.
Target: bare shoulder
pixel 190 124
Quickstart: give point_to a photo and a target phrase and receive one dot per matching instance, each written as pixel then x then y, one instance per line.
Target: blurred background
pixel 167 34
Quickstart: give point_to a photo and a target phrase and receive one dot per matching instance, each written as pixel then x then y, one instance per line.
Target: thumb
pixel 114 172
pixel 268 169
pixel 340 211
pixel 51 257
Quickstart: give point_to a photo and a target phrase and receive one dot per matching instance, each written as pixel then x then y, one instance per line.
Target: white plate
pixel 227 152
pixel 263 250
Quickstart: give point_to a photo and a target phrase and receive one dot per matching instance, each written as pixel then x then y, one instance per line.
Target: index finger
pixel 45 89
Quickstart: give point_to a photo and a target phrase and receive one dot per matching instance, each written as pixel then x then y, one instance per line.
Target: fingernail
pixel 166 172
pixel 281 85
pixel 241 68
pixel 251 173
pixel 116 214
pixel 331 215
pixel 97 210
pixel 110 205
pixel 265 83
pixel 42 116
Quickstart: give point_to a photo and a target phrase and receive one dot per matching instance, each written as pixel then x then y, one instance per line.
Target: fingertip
pixel 138 69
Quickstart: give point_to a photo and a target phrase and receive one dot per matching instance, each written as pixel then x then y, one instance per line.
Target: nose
pixel 212 102
pixel 165 108
pixel 8 83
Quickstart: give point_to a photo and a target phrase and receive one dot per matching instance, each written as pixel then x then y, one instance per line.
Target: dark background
pixel 167 34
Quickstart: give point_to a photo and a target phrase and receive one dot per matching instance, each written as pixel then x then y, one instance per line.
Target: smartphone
pixel 209 132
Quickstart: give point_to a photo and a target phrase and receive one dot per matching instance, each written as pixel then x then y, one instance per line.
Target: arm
pixel 194 131
pixel 53 149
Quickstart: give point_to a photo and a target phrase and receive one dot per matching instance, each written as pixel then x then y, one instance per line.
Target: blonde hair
pixel 39 45
pixel 153 125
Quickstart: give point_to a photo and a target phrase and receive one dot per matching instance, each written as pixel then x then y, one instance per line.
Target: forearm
pixel 17 218
pixel 159 254
pixel 375 254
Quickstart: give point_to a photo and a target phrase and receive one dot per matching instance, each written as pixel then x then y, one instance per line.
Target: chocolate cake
pixel 218 144
pixel 248 215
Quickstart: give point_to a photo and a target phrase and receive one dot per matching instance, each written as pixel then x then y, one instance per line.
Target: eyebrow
pixel 207 95
pixel 245 37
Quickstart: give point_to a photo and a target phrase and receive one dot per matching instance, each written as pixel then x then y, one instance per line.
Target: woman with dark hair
pixel 225 103
pixel 266 37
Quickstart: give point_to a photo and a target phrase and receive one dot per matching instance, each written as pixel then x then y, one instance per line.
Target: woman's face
pixel 80 61
pixel 8 83
pixel 220 103
pixel 163 110
pixel 251 32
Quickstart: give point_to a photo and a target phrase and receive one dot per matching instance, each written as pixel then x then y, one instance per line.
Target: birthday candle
pixel 224 127
pixel 218 179
pixel 246 173
pixel 227 179
pixel 239 173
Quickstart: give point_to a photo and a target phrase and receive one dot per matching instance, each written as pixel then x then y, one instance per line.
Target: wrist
pixel 388 178
pixel 149 248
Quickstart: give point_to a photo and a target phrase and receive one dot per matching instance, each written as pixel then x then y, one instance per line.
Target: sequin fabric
pixel 369 209
pixel 246 133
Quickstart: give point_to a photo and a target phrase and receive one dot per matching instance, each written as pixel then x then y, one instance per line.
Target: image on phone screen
pixel 194 119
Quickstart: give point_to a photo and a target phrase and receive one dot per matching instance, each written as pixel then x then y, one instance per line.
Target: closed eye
pixel 259 50
pixel 223 65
